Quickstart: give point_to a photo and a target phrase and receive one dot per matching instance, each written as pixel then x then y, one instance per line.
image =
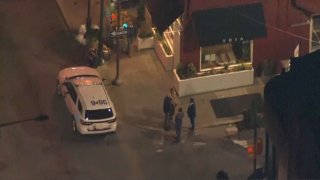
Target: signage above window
pixel 230 40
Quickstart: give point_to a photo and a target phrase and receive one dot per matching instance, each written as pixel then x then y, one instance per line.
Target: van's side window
pixel 72 92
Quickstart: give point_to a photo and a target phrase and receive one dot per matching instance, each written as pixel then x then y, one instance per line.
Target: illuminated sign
pixel 230 40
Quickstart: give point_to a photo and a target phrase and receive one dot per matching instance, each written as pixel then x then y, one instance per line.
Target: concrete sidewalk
pixel 145 82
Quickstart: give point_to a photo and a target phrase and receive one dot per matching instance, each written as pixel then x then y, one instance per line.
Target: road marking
pixel 199 144
pixel 150 128
pixel 159 150
pixel 242 143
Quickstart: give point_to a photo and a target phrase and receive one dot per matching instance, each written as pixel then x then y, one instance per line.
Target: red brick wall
pixel 281 38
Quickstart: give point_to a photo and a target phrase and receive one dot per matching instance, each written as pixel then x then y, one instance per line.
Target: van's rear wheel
pixel 74 126
pixel 58 89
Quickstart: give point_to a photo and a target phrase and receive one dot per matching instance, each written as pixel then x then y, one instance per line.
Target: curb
pixel 209 125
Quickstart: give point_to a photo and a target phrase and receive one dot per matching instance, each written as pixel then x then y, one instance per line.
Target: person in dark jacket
pixel 192 113
pixel 222 175
pixel 167 110
pixel 178 124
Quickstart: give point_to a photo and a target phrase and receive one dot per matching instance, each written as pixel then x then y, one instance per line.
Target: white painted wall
pixel 213 82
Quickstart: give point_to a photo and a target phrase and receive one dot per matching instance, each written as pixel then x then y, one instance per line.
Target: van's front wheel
pixel 74 126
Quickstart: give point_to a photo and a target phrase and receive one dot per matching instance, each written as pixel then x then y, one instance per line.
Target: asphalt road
pixel 34 45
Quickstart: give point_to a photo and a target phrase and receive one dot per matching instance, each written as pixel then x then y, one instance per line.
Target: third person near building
pixel 178 124
pixel 192 113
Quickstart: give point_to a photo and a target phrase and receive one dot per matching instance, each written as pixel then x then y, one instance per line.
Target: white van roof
pixel 94 96
pixel 72 72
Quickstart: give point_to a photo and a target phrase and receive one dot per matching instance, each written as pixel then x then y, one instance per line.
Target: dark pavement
pixel 35 47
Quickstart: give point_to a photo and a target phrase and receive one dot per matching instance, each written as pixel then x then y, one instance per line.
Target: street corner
pixel 160 137
pixel 195 138
pixel 168 137
pixel 151 133
pixel 187 137
pixel 241 143
pixel 191 134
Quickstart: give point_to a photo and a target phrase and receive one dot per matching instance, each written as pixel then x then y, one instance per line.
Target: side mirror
pixel 105 82
pixel 65 93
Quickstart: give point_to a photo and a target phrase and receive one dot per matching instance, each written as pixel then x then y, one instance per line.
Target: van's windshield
pixel 98 114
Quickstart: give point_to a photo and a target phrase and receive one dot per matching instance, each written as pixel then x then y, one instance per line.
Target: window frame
pixel 221 67
pixel 72 92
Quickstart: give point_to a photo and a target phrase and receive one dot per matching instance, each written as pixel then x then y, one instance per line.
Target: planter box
pixel 145 43
pixel 209 83
pixel 166 60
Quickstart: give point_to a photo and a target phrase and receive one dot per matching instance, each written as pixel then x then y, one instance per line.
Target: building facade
pixel 223 35
pixel 286 27
pixel 291 117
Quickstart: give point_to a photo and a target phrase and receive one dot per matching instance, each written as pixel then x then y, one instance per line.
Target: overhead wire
pixel 273 27
pixel 267 26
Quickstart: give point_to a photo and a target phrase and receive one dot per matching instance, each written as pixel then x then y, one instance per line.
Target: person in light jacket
pixel 178 124
pixel 175 99
pixel 167 110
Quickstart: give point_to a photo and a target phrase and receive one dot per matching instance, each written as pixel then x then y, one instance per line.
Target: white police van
pixel 87 100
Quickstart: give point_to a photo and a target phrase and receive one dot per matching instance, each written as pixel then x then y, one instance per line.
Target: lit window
pixel 227 54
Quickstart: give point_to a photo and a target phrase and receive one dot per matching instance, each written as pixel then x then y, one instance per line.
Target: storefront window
pixel 227 54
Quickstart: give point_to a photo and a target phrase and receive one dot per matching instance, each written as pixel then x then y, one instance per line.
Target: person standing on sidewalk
pixel 175 99
pixel 167 109
pixel 222 175
pixel 178 124
pixel 130 38
pixel 192 113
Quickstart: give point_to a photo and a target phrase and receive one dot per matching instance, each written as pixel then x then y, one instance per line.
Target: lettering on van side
pixel 100 102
